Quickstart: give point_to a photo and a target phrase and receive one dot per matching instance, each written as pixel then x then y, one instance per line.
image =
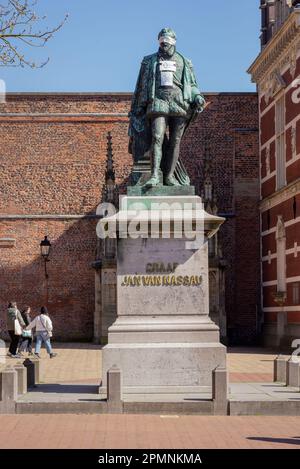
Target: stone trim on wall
pixel 280 196
pixel 287 252
pixel 48 217
pixel 272 230
pixel 274 56
pixel 7 243
pixel 48 117
pixel 270 283
pixel 279 308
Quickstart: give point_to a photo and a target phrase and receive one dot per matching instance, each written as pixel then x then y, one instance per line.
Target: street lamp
pixel 45 251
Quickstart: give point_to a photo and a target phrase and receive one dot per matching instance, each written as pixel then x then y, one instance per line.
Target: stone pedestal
pixel 9 384
pixel 22 378
pixel 114 391
pixel 29 365
pixel 280 369
pixel 163 340
pixel 220 391
pixel 293 372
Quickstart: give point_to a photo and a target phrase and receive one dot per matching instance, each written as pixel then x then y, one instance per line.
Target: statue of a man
pixel 166 96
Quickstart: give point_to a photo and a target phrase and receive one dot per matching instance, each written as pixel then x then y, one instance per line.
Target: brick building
pixel 53 171
pixel 277 74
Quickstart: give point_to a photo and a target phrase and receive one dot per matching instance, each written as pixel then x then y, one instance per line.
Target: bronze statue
pixel 166 96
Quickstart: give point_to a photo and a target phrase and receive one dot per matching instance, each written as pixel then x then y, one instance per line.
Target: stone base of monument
pixel 163 340
pixel 164 368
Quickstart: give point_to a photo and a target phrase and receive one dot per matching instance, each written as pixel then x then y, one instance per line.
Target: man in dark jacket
pixel 12 314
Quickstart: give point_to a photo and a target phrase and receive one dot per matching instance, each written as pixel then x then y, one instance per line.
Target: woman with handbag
pixel 14 325
pixel 26 339
pixel 43 328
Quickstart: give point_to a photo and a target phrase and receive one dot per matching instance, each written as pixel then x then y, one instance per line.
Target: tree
pixel 20 29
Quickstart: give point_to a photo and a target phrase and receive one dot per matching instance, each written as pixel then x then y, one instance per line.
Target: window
pixel 296 293
pixel 282 10
pixel 110 248
pixel 280 142
pixel 212 251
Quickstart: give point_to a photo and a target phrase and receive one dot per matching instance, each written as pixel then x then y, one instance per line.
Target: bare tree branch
pixel 20 26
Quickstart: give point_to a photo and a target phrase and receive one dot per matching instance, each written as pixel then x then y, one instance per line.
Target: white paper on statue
pixel 167 68
pixel 166 79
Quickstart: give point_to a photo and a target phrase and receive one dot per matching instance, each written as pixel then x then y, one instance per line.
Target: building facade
pixel 277 74
pixel 63 154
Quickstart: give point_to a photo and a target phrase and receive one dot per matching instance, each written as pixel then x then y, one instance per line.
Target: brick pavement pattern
pixel 81 362
pixel 74 363
pixel 147 431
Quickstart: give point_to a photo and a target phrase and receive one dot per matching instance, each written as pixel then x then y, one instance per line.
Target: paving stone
pixel 149 431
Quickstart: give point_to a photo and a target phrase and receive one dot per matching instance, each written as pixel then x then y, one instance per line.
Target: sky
pixel 101 45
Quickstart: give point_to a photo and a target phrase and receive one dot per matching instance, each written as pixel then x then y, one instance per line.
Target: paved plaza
pixel 148 431
pixel 80 364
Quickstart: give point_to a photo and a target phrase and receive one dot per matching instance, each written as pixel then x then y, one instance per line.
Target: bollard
pixel 114 390
pixel 293 373
pixel 9 384
pixel 280 369
pixel 288 371
pixel 2 353
pixel 37 370
pixel 220 391
pixel 29 365
pixel 22 378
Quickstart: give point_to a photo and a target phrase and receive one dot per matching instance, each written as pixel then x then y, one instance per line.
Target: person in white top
pixel 43 327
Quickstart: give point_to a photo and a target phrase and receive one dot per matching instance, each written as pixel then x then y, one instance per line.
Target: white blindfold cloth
pixel 168 40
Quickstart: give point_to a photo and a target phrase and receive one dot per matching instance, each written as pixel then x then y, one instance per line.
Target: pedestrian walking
pixel 25 344
pixel 43 327
pixel 15 324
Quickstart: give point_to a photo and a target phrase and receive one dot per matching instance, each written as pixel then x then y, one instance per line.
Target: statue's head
pixel 167 41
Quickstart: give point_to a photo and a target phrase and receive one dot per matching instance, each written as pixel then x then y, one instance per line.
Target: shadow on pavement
pixel 288 441
pixel 66 388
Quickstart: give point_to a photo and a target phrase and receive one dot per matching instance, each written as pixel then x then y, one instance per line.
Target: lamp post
pixel 45 251
pixel 45 246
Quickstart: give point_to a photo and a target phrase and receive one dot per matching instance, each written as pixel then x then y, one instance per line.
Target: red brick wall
pixel 292 103
pixel 293 171
pixel 268 187
pixel 268 125
pixel 235 174
pixel 53 163
pixel 69 291
pixel 247 256
pixel 289 208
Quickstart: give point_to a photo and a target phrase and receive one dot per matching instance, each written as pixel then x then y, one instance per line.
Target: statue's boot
pixel 153 181
pixel 171 181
